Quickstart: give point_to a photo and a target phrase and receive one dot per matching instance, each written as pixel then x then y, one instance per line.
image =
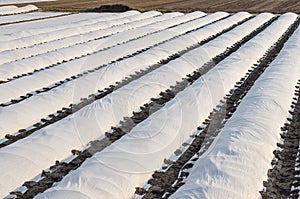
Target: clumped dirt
pixel 254 6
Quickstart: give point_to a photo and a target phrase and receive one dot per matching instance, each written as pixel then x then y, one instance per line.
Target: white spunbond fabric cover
pixel 237 162
pixel 69 69
pixel 80 37
pixel 84 42
pixel 21 30
pixel 66 32
pixel 26 17
pixel 9 10
pixel 89 123
pixel 130 161
pixel 27 8
pixel 5 8
pixel 88 52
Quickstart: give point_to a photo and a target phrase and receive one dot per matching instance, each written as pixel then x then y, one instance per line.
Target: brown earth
pixel 254 6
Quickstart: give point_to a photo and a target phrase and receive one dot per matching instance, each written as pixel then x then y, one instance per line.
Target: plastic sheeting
pixel 127 38
pixel 237 162
pixel 92 121
pixel 130 161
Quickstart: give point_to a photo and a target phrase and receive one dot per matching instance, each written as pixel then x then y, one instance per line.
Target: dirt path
pixel 254 6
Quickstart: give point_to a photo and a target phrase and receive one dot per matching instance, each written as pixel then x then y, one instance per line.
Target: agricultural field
pixel 149 105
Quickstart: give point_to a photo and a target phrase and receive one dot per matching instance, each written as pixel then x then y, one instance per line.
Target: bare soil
pixel 253 6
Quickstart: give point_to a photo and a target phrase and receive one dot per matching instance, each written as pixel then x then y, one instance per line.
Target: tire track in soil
pixel 60 169
pixel 66 111
pixel 97 68
pixel 165 183
pixel 283 178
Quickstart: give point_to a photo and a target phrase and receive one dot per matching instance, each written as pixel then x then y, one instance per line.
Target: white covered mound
pixel 9 10
pixel 4 9
pixel 130 161
pixel 237 162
